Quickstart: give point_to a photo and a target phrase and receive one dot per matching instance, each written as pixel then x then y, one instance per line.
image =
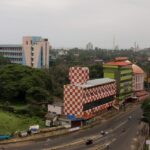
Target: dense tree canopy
pixel 146 110
pixel 19 83
pixel 59 76
pixel 4 61
pixel 96 71
pixel 87 57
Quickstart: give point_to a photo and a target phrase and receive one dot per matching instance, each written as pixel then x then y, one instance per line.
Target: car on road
pixel 89 142
pixel 104 132
pixel 130 117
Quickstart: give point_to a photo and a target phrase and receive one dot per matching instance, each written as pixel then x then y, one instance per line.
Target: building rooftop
pixel 121 58
pixel 11 45
pixel 137 69
pixel 141 93
pixel 118 63
pixel 95 82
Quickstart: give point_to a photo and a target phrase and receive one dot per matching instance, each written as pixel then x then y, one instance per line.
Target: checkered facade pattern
pixel 73 100
pixel 78 75
pixel 76 97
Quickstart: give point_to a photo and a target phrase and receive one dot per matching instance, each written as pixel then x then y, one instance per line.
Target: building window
pixel 32 51
pixel 97 103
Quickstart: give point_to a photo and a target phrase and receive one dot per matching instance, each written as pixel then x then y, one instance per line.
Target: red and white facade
pixel 138 78
pixel 84 98
pixel 78 75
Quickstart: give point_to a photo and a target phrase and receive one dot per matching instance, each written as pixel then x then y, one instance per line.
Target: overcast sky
pixel 74 23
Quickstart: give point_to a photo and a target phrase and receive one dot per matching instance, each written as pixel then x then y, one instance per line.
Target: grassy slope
pixel 10 123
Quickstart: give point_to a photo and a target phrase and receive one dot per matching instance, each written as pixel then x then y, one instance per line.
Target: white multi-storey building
pixel 33 52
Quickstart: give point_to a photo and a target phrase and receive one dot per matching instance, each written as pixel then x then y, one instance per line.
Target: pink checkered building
pixel 84 98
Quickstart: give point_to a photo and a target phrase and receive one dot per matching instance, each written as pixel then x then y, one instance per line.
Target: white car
pixel 104 132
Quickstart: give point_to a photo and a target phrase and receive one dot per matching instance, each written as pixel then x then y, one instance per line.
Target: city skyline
pixel 71 24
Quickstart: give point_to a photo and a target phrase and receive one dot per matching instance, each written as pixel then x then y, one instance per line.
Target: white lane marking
pixel 82 140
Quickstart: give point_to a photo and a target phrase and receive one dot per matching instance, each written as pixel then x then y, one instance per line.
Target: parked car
pixel 34 129
pixel 23 133
pixel 5 137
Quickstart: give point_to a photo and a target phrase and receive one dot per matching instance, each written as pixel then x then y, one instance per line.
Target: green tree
pixel 37 94
pixel 59 77
pixel 16 80
pixel 96 71
pixel 146 110
pixel 4 61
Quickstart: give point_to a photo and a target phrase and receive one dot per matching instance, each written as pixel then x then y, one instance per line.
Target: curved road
pixel 117 138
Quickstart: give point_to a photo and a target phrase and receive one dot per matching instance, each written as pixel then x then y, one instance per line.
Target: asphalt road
pixel 116 137
pixel 119 137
